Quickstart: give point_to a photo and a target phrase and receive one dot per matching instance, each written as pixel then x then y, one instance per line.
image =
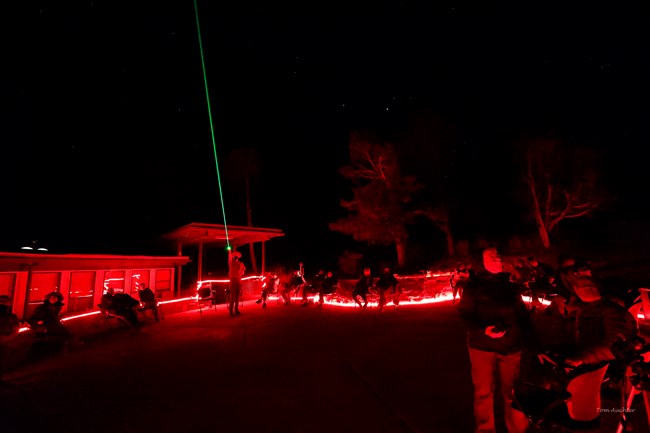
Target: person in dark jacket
pixel 121 305
pixel 385 282
pixel 498 323
pixel 328 287
pixel 598 323
pixel 362 288
pixel 148 300
pixel 46 323
pixel 457 280
pixel 9 323
pixel 9 327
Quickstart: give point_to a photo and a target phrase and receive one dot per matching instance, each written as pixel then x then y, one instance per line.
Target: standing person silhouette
pixel 498 325
pixel 236 270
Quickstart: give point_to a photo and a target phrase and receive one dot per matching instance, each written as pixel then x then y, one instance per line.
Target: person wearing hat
pixel 595 325
pixel 236 271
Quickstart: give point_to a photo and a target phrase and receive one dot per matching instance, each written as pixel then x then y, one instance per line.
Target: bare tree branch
pixel 544 172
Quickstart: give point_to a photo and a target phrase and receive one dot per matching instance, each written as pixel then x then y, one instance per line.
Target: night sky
pixel 106 135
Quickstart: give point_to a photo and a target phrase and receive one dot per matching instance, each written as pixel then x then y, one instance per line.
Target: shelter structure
pixel 203 235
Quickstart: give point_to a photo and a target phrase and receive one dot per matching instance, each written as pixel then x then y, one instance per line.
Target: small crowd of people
pixel 127 308
pixel 50 333
pixel 322 284
pixel 578 333
pixel 579 330
pixel 326 283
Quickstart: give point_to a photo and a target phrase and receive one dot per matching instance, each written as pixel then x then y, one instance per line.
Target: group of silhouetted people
pixel 127 308
pixel 578 332
pixel 50 333
pixel 326 283
pixel 297 285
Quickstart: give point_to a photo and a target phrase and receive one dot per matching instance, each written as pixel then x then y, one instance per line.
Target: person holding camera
pixel 596 325
pixel 498 324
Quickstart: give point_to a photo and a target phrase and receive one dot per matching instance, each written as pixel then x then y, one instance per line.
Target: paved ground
pixel 283 369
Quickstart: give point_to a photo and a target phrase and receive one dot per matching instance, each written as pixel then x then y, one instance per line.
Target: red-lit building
pixel 82 278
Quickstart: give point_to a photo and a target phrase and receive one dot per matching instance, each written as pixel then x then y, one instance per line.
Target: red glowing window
pixel 139 276
pixel 82 291
pixel 7 284
pixel 114 280
pixel 42 284
pixel 164 282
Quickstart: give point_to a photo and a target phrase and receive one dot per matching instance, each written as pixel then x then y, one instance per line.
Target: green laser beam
pixel 214 145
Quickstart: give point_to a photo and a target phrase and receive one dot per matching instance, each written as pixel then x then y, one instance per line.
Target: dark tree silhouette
pixel 428 149
pixel 378 211
pixel 561 184
pixel 244 164
pixel 440 217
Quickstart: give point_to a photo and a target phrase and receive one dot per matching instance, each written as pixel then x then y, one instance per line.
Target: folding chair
pixel 205 295
pixel 159 299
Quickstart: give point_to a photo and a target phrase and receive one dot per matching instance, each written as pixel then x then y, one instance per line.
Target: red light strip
pixel 314 299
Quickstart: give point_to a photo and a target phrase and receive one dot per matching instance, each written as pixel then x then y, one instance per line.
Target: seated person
pixel 120 305
pixel 148 300
pixel 270 285
pixel 598 324
pixel 9 323
pixel 45 321
pixel 295 284
pixel 385 282
pixel 286 292
pixel 315 287
pixel 362 288
pixel 329 285
pixel 9 326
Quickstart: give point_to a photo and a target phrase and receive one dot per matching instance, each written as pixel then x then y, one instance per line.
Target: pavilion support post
pixel 179 279
pixel 200 271
pixel 263 257
pixel 30 272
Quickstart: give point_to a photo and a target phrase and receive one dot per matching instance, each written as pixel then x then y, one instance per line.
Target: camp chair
pixel 159 299
pixel 205 295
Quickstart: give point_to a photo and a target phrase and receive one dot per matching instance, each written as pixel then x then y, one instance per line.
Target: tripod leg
pixel 628 404
pixel 646 406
